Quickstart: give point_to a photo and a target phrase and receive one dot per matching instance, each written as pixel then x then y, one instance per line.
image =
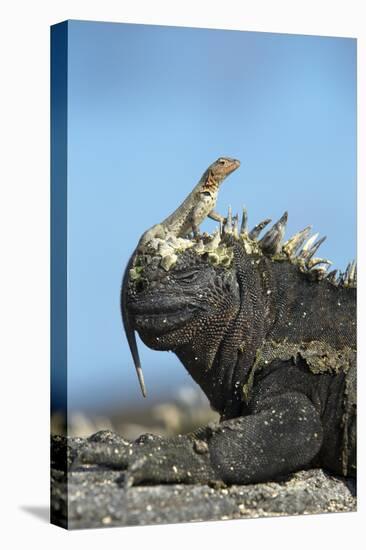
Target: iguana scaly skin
pixel 269 335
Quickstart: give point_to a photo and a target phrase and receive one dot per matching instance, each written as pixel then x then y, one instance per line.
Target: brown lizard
pixel 199 204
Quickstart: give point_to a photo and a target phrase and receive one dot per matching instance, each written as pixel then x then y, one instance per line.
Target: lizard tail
pixel 130 333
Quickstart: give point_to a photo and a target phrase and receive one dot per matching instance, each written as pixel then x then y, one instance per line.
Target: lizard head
pixel 222 167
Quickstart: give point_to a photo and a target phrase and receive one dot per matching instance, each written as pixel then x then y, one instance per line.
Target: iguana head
pixel 170 307
pixel 186 307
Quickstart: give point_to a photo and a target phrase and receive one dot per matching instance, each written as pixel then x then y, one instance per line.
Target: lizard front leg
pixel 216 217
pixel 199 214
pixel 283 435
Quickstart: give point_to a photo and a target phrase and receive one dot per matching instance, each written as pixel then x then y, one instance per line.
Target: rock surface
pixel 93 497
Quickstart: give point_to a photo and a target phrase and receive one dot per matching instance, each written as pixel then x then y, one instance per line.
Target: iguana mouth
pixel 158 322
pixel 169 306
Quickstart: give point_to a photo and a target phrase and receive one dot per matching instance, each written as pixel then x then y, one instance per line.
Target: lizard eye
pixel 206 193
pixel 222 161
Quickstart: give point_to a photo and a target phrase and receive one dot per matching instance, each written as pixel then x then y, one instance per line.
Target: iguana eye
pixel 187 277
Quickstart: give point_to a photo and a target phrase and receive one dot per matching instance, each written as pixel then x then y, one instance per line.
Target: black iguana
pixel 268 334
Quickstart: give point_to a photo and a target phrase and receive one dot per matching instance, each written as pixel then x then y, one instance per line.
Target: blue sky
pixel 149 108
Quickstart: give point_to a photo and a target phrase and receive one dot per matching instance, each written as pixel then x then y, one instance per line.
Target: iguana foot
pixel 150 459
pixel 177 460
pixel 105 449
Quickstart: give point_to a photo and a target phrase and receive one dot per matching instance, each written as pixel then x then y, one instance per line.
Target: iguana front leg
pixel 283 435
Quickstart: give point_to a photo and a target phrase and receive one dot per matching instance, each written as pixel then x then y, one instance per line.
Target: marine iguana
pixel 270 337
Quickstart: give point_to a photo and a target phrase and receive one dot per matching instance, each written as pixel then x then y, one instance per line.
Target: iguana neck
pixel 231 342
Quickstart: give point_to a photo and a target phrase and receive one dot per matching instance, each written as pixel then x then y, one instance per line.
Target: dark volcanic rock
pixel 94 497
